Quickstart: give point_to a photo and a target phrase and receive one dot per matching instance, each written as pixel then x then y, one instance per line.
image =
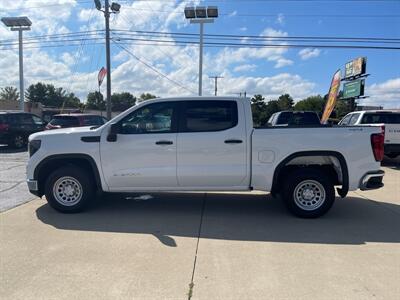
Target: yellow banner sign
pixel 332 97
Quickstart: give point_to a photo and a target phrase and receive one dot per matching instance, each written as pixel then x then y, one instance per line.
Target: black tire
pixel 18 141
pixel 308 183
pixel 67 198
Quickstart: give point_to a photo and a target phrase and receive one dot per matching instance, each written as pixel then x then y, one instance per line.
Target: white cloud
pixel 385 94
pixel 271 87
pixel 280 19
pixel 232 14
pixel 245 68
pixel 178 63
pixel 283 62
pixel 308 53
pixel 243 29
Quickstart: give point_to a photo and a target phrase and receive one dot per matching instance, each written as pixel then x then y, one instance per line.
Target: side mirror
pixel 112 134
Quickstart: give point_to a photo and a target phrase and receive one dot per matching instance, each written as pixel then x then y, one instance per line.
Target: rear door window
pixel 203 116
pixel 304 118
pixel 378 118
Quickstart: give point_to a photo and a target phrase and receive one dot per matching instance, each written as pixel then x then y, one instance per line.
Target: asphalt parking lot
pixel 197 245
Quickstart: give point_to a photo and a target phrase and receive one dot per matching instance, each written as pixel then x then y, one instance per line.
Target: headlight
pixel 34 146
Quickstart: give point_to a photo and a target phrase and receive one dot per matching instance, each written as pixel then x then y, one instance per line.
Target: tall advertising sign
pixel 356 67
pixel 332 97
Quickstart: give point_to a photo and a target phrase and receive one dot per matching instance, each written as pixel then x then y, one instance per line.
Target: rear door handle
pixel 233 141
pixel 164 143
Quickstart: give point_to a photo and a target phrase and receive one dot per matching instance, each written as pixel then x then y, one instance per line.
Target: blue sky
pixel 300 72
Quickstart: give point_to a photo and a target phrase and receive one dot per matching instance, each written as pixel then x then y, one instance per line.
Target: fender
pixel 65 158
pixel 343 165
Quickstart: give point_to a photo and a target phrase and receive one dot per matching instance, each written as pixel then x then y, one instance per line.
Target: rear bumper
pixel 392 148
pixel 372 180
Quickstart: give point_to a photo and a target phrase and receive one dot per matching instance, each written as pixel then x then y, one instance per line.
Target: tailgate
pixel 392 133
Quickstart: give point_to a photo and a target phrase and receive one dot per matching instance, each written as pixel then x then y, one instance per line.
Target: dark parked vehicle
pixel 75 120
pixel 294 118
pixel 15 127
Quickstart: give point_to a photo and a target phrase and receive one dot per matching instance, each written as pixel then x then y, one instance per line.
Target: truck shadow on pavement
pixel 233 217
pixel 392 163
pixel 7 149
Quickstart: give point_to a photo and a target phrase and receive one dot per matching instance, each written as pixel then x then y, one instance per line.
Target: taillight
pixel 377 143
pixel 4 127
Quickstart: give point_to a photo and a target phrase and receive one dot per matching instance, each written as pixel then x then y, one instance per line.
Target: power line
pixel 235 14
pixel 262 36
pixel 154 69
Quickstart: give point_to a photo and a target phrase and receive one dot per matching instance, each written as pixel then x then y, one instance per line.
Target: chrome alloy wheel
pixel 67 191
pixel 309 195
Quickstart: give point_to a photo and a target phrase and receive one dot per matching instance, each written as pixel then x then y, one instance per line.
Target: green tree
pixel 49 95
pixel 146 96
pixel 9 93
pixel 95 100
pixel 37 93
pixel 72 101
pixel 285 102
pixel 272 107
pixel 122 101
pixel 258 108
pixel 312 103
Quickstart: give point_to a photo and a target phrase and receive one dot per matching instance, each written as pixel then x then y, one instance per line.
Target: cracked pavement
pixel 13 189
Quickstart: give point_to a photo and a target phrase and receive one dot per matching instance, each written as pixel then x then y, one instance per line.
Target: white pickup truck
pixel 206 144
pixel 388 119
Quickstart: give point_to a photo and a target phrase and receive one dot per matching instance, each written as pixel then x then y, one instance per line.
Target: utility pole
pixel 108 61
pixel 115 7
pixel 215 83
pixel 19 24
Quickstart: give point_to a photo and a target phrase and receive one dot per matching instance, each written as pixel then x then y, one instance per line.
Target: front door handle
pixel 164 143
pixel 233 141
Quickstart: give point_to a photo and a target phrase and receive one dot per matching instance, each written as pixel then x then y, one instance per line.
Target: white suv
pixel 388 119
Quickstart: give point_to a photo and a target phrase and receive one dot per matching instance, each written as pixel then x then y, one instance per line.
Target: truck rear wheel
pixel 69 190
pixel 308 193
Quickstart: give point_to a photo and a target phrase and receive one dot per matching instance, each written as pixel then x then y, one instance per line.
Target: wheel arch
pixel 279 170
pixel 53 162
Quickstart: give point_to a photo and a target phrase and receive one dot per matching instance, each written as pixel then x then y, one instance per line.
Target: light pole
pixel 201 15
pixel 19 24
pixel 115 7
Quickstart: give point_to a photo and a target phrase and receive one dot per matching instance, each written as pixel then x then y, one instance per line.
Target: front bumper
pixel 33 186
pixel 372 180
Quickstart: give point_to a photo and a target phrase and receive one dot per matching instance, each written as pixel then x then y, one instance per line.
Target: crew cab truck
pixel 203 144
pixel 388 119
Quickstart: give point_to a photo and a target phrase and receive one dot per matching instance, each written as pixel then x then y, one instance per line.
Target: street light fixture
pixel 19 24
pixel 201 15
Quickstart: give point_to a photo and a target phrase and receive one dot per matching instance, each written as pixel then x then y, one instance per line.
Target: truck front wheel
pixel 68 189
pixel 308 193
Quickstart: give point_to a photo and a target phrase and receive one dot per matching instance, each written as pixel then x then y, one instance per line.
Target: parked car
pixel 75 120
pixel 206 144
pixel 294 118
pixel 388 119
pixel 16 126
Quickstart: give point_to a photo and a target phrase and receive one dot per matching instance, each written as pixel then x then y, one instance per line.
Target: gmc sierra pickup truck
pixel 203 144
